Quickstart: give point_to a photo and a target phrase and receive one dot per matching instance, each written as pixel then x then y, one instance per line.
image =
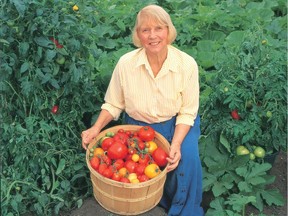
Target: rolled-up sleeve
pixel 190 98
pixel 114 99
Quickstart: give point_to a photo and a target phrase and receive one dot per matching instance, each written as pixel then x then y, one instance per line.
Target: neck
pixel 156 60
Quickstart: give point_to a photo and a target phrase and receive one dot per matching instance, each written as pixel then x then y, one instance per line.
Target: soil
pixel 90 206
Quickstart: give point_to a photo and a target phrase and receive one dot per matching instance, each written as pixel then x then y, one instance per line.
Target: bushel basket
pixel 127 198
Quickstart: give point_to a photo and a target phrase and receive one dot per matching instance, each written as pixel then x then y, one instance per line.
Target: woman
pixel 157 85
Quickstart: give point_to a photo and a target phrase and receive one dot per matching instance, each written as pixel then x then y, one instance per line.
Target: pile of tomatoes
pixel 128 156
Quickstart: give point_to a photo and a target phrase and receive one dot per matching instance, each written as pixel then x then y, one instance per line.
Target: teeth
pixel 154 43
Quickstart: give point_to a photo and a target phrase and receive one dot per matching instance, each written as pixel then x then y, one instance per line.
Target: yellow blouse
pixel 174 91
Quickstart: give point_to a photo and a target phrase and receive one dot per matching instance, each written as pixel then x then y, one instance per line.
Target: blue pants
pixel 183 187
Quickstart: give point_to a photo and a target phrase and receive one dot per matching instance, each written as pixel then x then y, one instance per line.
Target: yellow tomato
pixel 75 8
pixel 152 170
pixel 123 172
pixel 135 157
pixel 152 146
pixel 135 181
pixel 132 176
pixel 98 152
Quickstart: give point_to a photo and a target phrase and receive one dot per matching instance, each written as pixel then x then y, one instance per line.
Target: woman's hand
pixel 88 136
pixel 174 157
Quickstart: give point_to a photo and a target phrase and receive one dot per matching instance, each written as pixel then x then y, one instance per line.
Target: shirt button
pixel 181 174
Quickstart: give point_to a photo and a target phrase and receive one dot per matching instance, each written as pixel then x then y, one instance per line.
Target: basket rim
pixel 117 183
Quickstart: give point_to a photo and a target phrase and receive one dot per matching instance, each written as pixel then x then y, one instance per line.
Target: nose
pixel 152 34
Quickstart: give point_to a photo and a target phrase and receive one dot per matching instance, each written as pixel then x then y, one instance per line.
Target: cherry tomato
pixel 117 151
pixel 54 109
pixel 135 157
pixel 152 170
pixel 160 157
pixel 94 162
pixel 146 133
pixel 235 115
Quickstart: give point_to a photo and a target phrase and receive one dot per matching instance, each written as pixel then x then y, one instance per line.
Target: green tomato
pixel 259 152
pixel 109 134
pixel 269 114
pixel 226 89
pixel 60 60
pixel 252 156
pixel 242 150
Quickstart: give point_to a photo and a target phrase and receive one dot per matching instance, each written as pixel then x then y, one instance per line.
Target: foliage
pixel 52 55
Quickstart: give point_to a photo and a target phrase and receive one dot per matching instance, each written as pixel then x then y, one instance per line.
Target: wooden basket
pixel 127 198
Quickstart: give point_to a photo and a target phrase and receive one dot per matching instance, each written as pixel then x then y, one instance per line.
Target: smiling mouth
pixel 154 43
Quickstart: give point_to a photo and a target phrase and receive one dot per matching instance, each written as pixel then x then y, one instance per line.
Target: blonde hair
pixel 157 14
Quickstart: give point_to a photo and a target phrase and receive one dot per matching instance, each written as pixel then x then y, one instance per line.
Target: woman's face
pixel 153 37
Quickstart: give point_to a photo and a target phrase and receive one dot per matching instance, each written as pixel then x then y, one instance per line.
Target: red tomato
pixel 107 143
pixel 105 159
pixel 130 166
pixel 95 163
pixel 54 109
pixel 160 157
pixel 139 170
pixel 133 142
pixel 146 133
pixel 118 164
pixel 121 137
pixel 108 172
pixel 235 115
pixel 125 180
pixel 144 159
pixel 141 145
pixel 116 176
pixel 143 178
pixel 117 151
pixel 102 167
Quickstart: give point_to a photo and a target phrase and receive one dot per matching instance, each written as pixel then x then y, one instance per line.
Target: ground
pixel 279 169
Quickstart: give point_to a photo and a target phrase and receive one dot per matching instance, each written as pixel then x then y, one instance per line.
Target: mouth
pixel 154 43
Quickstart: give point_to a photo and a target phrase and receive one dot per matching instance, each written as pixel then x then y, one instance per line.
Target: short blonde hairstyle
pixel 157 14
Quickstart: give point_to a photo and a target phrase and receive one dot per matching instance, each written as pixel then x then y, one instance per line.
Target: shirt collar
pixel 142 59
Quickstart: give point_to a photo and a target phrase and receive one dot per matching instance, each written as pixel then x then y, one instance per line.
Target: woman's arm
pixel 88 135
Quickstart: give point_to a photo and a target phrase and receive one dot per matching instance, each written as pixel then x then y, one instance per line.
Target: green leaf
pixel 225 142
pixel 43 41
pixel 237 201
pixel 61 166
pixel 24 67
pixel 273 197
pixel 20 6
pixel 23 48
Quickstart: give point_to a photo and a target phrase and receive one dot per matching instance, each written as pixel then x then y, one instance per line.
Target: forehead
pixel 146 20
